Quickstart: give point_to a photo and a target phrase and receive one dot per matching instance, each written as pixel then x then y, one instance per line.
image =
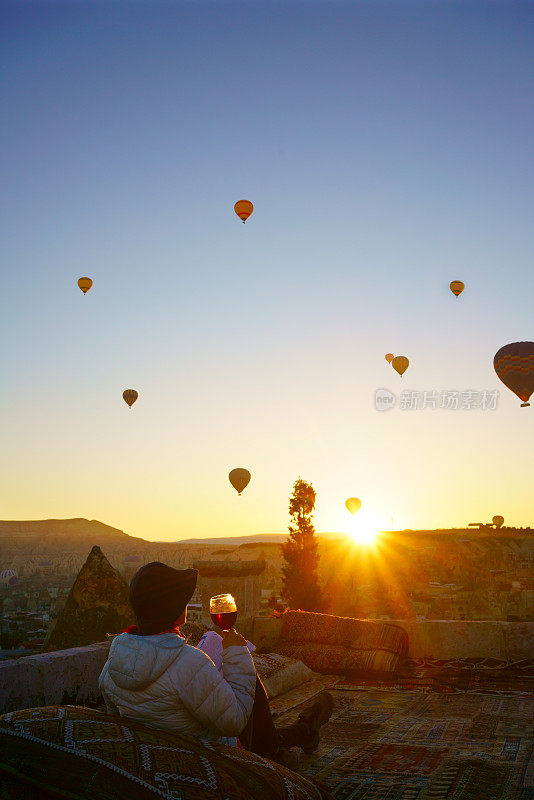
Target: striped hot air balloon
pixel 514 365
pixel 400 364
pixel 243 209
pixel 8 577
pixel 130 396
pixel 456 287
pixel 85 284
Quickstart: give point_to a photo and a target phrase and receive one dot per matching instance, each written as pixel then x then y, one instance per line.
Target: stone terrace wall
pixel 71 676
pixel 64 676
pixel 441 639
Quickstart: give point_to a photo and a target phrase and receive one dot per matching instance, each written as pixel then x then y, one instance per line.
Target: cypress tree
pixel 300 552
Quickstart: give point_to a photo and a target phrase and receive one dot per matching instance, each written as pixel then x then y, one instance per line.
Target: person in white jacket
pixel 153 676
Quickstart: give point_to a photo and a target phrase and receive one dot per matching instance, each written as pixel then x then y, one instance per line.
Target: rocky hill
pixel 97 604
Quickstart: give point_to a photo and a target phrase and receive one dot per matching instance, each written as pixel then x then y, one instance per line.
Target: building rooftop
pixel 456 720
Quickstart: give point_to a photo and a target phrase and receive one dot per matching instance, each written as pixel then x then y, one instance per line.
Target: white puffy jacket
pixel 164 682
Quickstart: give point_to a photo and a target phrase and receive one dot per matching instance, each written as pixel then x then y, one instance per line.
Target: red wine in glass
pixel 225 619
pixel 223 611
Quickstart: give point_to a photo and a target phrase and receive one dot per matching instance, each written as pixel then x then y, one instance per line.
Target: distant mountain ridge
pixel 46 530
pixel 61 546
pixel 26 530
pixel 254 538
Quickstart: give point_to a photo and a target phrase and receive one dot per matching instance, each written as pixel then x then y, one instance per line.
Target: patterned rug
pixel 77 753
pixel 412 745
pixel 301 694
pixel 456 675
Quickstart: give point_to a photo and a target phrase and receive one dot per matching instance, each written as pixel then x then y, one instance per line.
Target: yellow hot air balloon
pixel 400 364
pixel 353 504
pixel 389 357
pixel 243 209
pixel 130 396
pixel 239 478
pixel 85 284
pixel 457 287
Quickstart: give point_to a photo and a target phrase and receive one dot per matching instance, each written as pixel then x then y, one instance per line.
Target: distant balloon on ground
pixel 8 577
pixel 130 396
pixel 389 357
pixel 400 364
pixel 514 365
pixel 239 478
pixel 353 504
pixel 85 284
pixel 457 287
pixel 243 209
pixel 498 521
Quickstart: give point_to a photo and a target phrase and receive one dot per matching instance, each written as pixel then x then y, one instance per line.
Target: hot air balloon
pixel 498 521
pixel 239 478
pixel 389 357
pixel 130 396
pixel 85 284
pixel 353 504
pixel 457 287
pixel 514 365
pixel 243 209
pixel 8 577
pixel 400 364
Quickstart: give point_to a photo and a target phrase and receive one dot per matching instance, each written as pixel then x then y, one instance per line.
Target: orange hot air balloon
pixel 389 357
pixel 400 364
pixel 514 365
pixel 85 284
pixel 243 209
pixel 456 287
pixel 130 396
pixel 498 521
pixel 239 478
pixel 353 504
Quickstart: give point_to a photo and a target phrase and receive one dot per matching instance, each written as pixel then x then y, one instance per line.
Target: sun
pixel 364 535
pixel 363 529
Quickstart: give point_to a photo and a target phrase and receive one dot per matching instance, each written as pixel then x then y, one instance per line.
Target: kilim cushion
pixel 341 644
pixel 77 753
pixel 279 673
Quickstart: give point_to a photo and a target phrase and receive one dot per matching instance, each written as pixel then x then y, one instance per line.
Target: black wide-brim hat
pixel 159 594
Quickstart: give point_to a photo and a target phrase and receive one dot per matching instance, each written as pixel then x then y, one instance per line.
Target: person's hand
pixel 232 638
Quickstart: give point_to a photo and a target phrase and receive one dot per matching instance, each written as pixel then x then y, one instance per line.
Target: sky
pixel 387 148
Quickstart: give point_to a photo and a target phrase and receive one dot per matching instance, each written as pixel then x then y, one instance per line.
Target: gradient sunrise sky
pixel 387 148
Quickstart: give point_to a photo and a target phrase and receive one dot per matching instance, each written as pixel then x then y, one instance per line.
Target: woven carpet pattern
pixel 79 753
pixel 413 745
pixel 455 675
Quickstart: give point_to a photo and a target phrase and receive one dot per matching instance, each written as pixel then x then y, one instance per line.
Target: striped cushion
pixel 341 644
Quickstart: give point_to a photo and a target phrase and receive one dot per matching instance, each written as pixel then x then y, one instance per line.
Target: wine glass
pixel 223 611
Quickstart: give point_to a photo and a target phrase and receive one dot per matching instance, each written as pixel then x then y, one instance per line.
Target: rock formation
pixel 97 605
